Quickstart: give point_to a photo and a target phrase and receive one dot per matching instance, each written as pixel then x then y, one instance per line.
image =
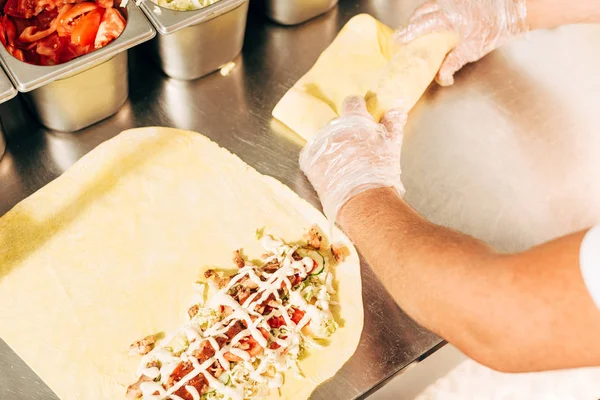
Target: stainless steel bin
pixel 73 95
pixel 292 12
pixel 7 92
pixel 79 100
pixel 191 44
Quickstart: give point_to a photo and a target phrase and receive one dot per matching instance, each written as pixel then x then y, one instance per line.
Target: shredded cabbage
pixel 184 5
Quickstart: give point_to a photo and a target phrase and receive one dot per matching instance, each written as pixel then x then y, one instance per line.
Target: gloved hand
pixel 352 154
pixel 482 25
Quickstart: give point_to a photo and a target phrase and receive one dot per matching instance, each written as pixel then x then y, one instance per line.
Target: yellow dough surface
pixel 108 253
pixel 363 60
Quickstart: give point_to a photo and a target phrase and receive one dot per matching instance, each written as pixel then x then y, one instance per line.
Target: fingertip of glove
pixel 354 105
pixel 445 80
pixel 394 120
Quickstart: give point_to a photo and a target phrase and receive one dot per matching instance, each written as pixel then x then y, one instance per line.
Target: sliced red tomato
pixel 264 332
pixel 20 8
pixel 10 31
pixel 18 54
pixel 28 46
pixel 31 34
pixel 111 27
pixel 71 51
pixel 48 32
pixel 45 19
pixel 84 32
pixel 3 32
pixel 50 48
pixel 296 280
pixel 66 21
pixel 77 10
pixel 105 3
pixel 297 315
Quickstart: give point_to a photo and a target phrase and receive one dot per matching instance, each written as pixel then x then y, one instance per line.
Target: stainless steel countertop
pixel 510 154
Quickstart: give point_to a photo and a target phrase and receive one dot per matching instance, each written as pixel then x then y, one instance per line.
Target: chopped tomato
pixel 248 344
pixel 296 315
pixel 105 3
pixel 10 31
pixel 71 51
pixel 84 32
pixel 255 348
pixel 49 32
pixel 45 19
pixel 264 332
pixel 3 33
pixel 296 280
pixel 66 20
pixel 199 382
pixel 30 35
pixel 20 8
pixel 18 54
pixel 276 322
pixel 111 27
pixel 50 47
pixel 182 369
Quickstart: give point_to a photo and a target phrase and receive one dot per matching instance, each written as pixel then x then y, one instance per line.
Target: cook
pixel 530 311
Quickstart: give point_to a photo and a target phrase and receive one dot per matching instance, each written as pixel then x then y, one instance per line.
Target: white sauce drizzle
pixel 149 388
pixel 193 391
pixel 240 353
pixel 270 286
pixel 219 354
pixel 151 372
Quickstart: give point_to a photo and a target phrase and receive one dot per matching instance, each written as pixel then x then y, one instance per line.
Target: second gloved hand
pixel 353 154
pixel 482 25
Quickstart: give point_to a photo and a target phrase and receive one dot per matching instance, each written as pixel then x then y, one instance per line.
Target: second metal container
pixel 71 96
pixel 292 12
pixel 192 44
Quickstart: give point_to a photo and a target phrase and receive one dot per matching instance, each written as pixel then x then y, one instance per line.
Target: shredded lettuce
pixel 184 5
pixel 205 318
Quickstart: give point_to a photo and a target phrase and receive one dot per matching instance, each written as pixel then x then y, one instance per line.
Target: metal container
pixel 292 12
pixel 192 44
pixel 73 95
pixel 7 92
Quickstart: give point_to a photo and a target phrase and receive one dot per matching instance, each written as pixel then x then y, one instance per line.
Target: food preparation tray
pixel 76 94
pixel 191 44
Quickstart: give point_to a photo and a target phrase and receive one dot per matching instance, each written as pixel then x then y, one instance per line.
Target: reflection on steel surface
pixel 510 154
pixel 292 12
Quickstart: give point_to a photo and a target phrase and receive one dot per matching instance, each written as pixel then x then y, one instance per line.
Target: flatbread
pixel 107 253
pixel 363 60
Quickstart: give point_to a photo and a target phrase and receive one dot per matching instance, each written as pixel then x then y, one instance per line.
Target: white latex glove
pixel 352 154
pixel 482 25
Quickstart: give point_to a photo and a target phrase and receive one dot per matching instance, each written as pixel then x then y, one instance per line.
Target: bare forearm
pixel 429 270
pixel 512 312
pixel 542 14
